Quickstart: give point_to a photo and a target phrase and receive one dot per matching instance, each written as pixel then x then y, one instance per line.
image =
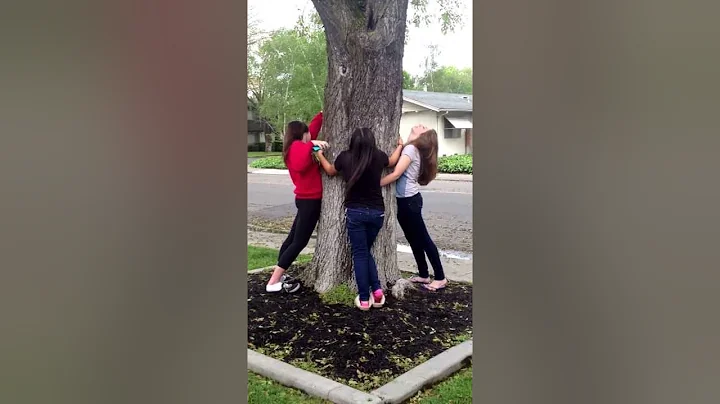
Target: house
pixel 256 132
pixel 449 114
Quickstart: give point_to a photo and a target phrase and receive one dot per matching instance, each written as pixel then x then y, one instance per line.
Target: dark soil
pixel 362 349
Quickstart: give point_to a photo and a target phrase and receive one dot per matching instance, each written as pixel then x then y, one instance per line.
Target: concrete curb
pixel 308 382
pixel 408 271
pixel 260 229
pixel 427 373
pixel 439 177
pixel 259 270
pixel 454 177
pixel 313 236
pixel 256 271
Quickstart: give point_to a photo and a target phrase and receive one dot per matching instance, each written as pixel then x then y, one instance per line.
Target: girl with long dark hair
pixel 417 167
pixel 305 174
pixel 361 167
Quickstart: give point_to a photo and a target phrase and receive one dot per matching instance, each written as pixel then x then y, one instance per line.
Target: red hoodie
pixel 304 172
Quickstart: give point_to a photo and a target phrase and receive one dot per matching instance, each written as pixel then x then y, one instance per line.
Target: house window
pixel 455 127
pixel 453 133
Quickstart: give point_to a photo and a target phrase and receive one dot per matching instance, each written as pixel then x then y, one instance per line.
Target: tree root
pixel 401 287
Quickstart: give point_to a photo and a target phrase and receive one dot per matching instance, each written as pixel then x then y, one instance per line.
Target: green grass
pixel 455 390
pixel 263 154
pixel 261 257
pixel 456 164
pixel 266 391
pixel 339 295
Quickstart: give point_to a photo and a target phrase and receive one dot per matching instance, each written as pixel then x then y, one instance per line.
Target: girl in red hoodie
pixel 305 174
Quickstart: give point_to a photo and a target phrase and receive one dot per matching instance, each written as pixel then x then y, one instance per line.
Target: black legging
pixel 409 215
pixel 304 224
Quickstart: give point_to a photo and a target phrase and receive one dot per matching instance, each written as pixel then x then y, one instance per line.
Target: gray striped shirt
pixel 407 185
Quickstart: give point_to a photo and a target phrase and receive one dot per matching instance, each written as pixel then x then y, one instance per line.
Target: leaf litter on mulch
pixel 362 349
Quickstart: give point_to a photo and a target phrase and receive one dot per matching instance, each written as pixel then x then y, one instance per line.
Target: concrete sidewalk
pixel 440 176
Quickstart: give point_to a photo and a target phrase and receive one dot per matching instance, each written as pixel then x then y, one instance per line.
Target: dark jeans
pixel 363 226
pixel 304 224
pixel 409 215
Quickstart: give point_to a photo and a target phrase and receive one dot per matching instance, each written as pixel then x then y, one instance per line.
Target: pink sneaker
pixel 364 306
pixel 378 298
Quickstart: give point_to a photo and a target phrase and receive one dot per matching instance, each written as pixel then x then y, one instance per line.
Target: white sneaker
pixel 274 288
pixel 286 283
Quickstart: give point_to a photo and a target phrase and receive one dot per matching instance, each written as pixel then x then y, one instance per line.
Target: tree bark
pixel 268 142
pixel 365 45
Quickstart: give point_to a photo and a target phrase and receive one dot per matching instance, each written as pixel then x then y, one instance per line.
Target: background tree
pixel 287 72
pixel 431 65
pixel 255 33
pixel 256 96
pixel 408 81
pixel 256 93
pixel 365 46
pixel 447 79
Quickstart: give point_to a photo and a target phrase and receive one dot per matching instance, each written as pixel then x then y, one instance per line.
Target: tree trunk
pixel 365 44
pixel 268 142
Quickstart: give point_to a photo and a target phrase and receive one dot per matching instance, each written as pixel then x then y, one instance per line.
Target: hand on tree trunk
pixel 323 145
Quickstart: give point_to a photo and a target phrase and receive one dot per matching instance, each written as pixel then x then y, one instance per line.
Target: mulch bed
pixel 362 349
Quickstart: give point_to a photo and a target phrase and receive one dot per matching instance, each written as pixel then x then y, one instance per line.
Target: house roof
pixel 439 101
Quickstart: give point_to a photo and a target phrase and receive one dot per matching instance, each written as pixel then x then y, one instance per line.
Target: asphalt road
pixel 447 208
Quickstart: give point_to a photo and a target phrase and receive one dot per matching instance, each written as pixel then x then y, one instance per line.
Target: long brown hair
pixel 294 131
pixel 427 145
pixel 362 148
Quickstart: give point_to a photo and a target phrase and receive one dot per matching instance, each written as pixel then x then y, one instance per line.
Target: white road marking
pixel 448 254
pixel 439 191
pixel 268 171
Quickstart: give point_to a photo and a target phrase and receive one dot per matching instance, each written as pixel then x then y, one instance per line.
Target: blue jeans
pixel 363 226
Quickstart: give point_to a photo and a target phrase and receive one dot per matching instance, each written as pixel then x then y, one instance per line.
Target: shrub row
pixel 258 147
pixel 457 164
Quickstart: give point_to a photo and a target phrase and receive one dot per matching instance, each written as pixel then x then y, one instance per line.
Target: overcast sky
pixel 455 48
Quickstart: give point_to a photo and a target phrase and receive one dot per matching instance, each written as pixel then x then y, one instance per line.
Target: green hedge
pixel 256 147
pixel 457 164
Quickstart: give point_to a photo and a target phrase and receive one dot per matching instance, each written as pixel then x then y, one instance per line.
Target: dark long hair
pixel 362 147
pixel 294 131
pixel 427 145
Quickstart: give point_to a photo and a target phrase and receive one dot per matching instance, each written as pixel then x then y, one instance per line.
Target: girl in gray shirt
pixel 417 166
